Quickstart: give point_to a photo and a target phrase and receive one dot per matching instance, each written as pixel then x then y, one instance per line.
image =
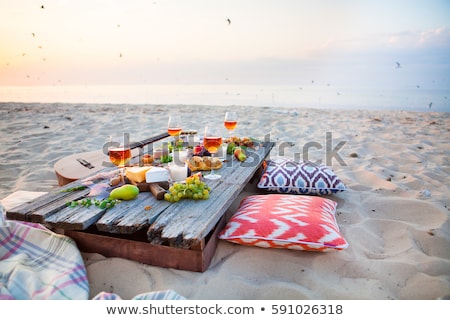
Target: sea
pixel 326 96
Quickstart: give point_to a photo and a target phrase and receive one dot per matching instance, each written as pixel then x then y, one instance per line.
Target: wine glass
pixel 212 141
pixel 174 128
pixel 174 125
pixel 120 155
pixel 230 121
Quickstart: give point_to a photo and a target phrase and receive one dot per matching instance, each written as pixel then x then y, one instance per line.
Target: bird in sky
pixel 398 64
pixel 229 21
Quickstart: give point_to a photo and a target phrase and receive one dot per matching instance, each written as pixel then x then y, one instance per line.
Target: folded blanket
pixel 36 263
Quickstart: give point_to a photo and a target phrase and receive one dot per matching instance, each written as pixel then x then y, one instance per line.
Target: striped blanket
pixel 36 263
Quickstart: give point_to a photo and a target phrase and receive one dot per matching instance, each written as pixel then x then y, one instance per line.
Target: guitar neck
pixel 143 143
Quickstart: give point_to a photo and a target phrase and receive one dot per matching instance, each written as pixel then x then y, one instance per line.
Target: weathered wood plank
pixel 45 205
pixel 185 223
pixel 130 216
pixel 40 215
pixel 78 218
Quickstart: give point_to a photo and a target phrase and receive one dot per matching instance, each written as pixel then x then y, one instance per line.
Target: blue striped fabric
pixel 36 263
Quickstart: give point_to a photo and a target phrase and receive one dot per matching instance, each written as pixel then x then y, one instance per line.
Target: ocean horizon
pixel 325 96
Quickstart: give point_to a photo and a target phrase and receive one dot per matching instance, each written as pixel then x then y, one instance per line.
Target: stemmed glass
pixel 174 125
pixel 120 155
pixel 212 141
pixel 174 128
pixel 230 121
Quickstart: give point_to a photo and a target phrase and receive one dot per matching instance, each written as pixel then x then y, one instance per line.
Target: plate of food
pixel 197 163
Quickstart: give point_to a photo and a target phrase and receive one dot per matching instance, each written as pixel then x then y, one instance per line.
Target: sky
pixel 63 42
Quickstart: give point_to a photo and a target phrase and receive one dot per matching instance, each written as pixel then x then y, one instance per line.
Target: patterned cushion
pixel 288 176
pixel 297 222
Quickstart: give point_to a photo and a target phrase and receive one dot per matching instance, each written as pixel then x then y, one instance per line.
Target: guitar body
pixel 69 169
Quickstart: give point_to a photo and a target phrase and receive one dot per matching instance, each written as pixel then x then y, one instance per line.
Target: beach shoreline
pixel 395 213
pixel 290 95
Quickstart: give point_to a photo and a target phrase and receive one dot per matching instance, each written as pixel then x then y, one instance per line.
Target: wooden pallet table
pixel 181 235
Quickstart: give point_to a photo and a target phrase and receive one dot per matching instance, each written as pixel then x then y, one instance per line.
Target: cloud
pixel 409 40
pixel 439 37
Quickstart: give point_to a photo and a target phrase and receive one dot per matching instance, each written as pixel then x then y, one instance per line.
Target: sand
pixel 395 213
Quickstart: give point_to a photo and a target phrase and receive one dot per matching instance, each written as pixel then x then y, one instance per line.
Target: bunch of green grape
pixel 194 188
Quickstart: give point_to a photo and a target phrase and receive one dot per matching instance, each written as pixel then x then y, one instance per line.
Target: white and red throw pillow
pixel 297 222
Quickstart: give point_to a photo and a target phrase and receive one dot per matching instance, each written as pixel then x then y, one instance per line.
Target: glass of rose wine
pixel 212 141
pixel 230 121
pixel 174 125
pixel 120 155
pixel 174 128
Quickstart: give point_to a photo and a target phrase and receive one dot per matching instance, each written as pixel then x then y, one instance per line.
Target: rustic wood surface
pixel 183 224
pixel 78 218
pixel 131 216
pixel 187 222
pixel 46 205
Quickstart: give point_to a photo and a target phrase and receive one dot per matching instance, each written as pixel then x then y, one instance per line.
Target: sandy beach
pixel 394 215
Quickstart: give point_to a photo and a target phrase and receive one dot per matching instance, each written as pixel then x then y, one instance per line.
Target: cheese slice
pixel 137 174
pixel 157 174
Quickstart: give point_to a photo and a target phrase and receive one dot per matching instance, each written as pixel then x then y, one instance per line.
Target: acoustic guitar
pixel 80 165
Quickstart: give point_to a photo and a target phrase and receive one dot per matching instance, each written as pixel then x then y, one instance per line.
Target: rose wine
pixel 174 131
pixel 212 144
pixel 120 156
pixel 230 125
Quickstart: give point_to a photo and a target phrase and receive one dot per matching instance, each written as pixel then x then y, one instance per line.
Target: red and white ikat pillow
pixel 297 222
